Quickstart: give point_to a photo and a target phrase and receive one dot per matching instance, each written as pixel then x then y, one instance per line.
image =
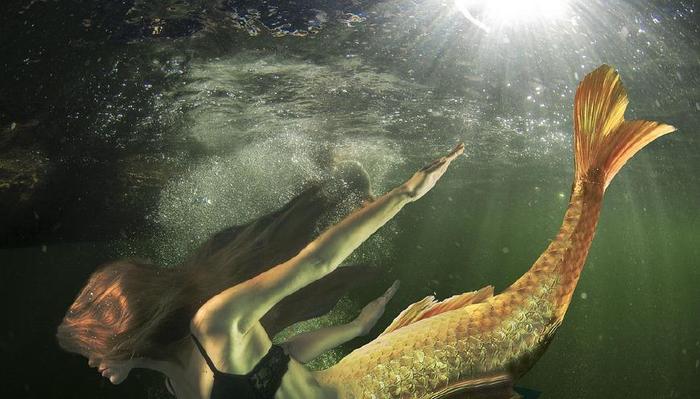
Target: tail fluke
pixel 603 140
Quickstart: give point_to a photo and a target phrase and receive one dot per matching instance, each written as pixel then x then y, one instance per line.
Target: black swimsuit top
pixel 260 383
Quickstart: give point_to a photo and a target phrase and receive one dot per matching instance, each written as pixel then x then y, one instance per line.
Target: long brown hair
pixel 131 308
pixel 119 312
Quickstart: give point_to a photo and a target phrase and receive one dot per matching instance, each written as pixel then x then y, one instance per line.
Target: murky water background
pixel 134 128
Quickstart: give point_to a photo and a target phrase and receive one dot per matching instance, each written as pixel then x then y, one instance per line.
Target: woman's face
pixel 115 371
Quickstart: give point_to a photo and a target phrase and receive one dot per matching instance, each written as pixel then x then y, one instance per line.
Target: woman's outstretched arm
pixel 307 346
pixel 240 306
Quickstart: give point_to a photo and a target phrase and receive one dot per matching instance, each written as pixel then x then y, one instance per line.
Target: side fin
pixel 411 314
pixel 603 140
pixel 459 301
pixel 429 307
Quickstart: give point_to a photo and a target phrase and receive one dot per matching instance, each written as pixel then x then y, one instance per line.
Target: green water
pixel 144 144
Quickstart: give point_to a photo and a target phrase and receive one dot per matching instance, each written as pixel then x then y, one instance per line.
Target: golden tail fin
pixel 603 140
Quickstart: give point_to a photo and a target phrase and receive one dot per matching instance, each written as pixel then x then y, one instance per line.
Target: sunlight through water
pixel 493 14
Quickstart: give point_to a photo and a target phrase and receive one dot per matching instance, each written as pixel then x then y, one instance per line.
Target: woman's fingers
pixel 456 151
pixel 424 180
pixel 391 291
pixel 373 311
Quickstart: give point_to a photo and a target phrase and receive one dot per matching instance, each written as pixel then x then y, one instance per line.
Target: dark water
pixel 140 127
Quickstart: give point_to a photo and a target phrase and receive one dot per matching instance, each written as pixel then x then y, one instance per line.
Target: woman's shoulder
pixel 210 319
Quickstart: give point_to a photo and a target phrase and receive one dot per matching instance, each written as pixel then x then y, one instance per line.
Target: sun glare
pixel 492 14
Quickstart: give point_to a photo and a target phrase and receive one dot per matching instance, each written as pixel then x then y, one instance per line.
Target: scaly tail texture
pixel 603 142
pixel 476 342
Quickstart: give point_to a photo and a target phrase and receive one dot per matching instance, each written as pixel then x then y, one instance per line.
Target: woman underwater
pixel 207 325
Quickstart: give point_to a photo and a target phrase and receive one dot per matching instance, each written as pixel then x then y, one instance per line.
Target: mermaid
pixel 207 325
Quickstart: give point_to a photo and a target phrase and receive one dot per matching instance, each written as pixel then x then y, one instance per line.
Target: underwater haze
pixel 137 128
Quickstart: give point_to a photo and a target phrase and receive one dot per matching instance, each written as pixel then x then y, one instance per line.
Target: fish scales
pixel 504 335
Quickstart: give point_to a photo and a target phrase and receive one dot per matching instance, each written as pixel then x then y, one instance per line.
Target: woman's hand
pixel 373 311
pixel 423 180
pixel 306 346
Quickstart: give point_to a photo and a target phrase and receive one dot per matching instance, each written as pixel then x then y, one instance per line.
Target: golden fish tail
pixel 475 339
pixel 603 140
